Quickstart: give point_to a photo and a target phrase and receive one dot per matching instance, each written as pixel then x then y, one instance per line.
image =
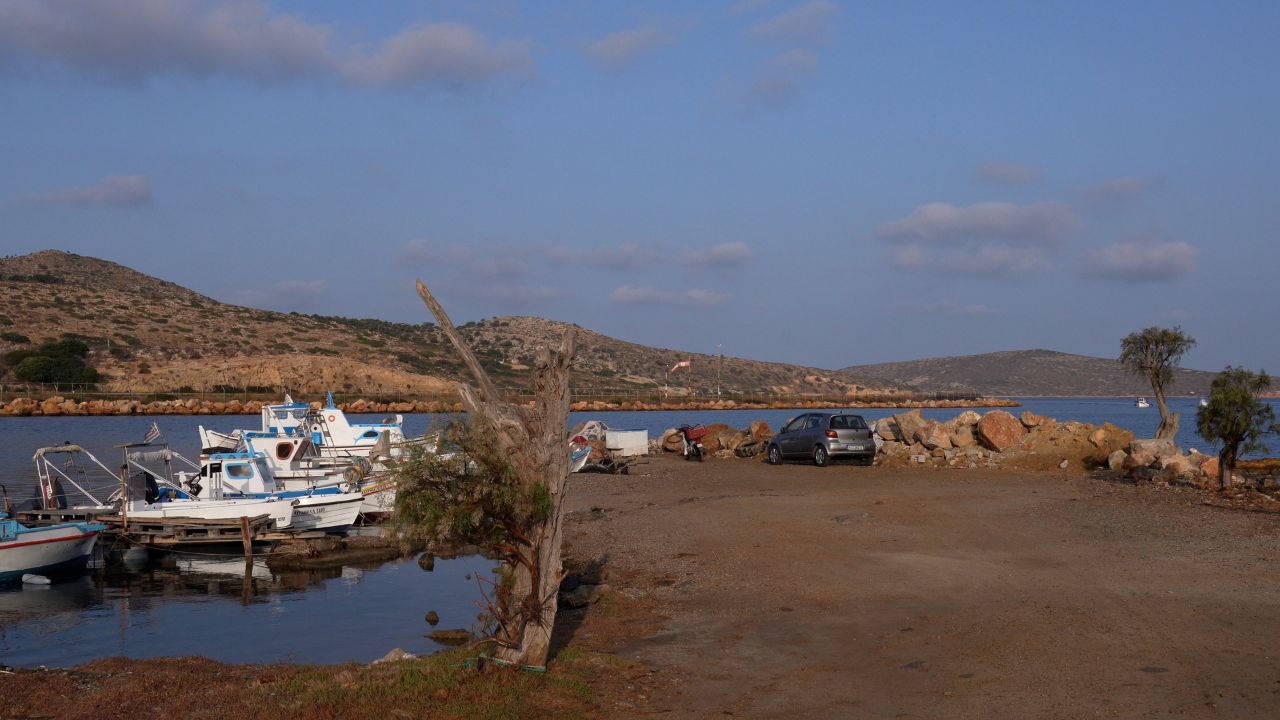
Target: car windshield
pixel 848 422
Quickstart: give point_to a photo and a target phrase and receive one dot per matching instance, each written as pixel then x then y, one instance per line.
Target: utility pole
pixel 719 365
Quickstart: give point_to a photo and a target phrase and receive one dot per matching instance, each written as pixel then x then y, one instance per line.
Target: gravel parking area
pixel 759 591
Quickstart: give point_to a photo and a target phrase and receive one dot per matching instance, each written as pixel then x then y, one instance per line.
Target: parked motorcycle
pixel 692 436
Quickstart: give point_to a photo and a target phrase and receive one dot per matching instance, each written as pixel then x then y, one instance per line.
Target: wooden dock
pixel 174 533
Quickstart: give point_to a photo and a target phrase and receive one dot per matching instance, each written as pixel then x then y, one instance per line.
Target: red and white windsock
pixel 682 364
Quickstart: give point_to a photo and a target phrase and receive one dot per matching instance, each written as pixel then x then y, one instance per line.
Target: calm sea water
pixel 180 605
pixel 187 604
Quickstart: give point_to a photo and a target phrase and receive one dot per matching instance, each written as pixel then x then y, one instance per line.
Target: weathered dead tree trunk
pixel 1169 421
pixel 534 442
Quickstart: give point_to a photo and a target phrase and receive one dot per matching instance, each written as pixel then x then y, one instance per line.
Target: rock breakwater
pixel 59 406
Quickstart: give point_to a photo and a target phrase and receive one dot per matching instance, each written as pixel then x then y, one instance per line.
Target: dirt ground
pixel 757 591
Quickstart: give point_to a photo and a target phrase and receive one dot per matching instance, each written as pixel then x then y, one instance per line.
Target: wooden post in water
pixel 244 537
pixel 124 496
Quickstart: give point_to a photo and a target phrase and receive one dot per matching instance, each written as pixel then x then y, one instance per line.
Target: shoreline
pixel 59 406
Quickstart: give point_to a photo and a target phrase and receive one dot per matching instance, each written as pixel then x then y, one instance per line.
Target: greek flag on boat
pixel 153 434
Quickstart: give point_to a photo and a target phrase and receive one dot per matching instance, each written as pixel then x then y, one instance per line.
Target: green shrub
pixel 14 337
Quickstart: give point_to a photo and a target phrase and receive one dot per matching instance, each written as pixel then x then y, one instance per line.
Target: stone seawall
pixel 61 406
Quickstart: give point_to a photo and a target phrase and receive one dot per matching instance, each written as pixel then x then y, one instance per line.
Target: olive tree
pixel 1153 353
pixel 1236 417
pixel 507 495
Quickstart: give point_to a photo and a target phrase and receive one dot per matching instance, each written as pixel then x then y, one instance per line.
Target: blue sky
pixel 825 183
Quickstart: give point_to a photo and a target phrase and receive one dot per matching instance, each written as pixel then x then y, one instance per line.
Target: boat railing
pixel 48 472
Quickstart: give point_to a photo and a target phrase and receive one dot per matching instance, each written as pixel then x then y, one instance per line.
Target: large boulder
pixel 1155 450
pixel 999 431
pixel 1115 461
pixel 1136 460
pixel 672 440
pixel 964 436
pixel 968 417
pixel 1177 464
pixel 1030 419
pixel 909 423
pixel 934 435
pixel 887 430
pixel 759 430
pixel 717 435
pixel 1210 467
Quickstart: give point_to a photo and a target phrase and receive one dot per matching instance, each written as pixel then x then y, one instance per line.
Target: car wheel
pixel 820 456
pixel 775 455
pixel 867 461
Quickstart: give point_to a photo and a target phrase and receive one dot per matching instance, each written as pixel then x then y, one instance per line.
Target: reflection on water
pixel 234 610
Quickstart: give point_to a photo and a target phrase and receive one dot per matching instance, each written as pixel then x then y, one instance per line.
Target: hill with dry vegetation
pixel 150 335
pixel 1025 373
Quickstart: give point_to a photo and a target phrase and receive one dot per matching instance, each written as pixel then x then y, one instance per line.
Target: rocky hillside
pixel 1024 373
pixel 148 334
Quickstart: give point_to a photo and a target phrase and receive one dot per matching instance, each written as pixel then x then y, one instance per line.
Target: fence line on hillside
pixel 84 392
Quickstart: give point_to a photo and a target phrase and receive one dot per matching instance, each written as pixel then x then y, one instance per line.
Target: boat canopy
pixel 68 448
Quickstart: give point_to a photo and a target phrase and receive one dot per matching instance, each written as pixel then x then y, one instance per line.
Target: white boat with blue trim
pixel 248 475
pixel 146 494
pixel 45 550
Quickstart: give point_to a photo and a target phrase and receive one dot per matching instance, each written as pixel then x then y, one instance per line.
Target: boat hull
pixel 46 551
pixel 281 511
pixel 327 512
pixel 379 497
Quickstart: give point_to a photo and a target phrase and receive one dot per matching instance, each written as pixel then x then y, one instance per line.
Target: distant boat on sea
pixel 1141 403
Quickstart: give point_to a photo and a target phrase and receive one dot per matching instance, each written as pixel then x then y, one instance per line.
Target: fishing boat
pixel 1141 403
pixel 143 494
pixel 45 550
pixel 247 475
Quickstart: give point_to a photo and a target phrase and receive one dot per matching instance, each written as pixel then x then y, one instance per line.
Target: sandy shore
pixel 762 592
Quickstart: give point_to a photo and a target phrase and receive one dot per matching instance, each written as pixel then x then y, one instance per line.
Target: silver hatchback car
pixel 823 437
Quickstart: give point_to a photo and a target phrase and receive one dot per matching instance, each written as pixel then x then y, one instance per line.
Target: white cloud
pixel 743 7
pixel 1115 192
pixel 982 260
pixel 723 255
pixel 421 250
pixel 1044 223
pixel 114 191
pixel 1009 173
pixel 909 258
pixel 495 262
pixel 999 260
pixel 804 25
pixel 243 39
pixel 515 293
pixel 448 54
pixel 624 256
pixel 1143 261
pixel 646 295
pixel 298 295
pixel 777 81
pixel 617 50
